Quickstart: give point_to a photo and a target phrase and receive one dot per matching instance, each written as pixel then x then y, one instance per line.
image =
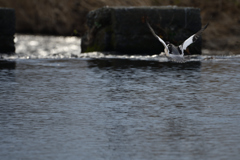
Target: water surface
pixel 59 104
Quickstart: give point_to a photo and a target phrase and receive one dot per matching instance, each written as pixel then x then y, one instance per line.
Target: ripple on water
pixel 116 107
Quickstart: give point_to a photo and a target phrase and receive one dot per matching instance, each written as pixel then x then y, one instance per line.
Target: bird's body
pixel 176 53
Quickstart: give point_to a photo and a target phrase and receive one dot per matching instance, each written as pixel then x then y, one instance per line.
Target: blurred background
pixel 67 17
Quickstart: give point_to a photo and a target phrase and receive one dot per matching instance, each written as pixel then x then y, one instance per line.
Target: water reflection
pixel 168 81
pixel 145 101
pixel 7 64
pixel 7 80
pixel 126 63
pixel 119 109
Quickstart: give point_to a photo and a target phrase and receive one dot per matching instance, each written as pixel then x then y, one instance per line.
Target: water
pixel 58 104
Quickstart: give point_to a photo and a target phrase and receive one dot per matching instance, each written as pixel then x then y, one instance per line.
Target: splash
pixel 52 47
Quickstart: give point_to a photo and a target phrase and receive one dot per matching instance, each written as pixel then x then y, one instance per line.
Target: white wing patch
pixel 164 44
pixel 192 38
pixel 187 42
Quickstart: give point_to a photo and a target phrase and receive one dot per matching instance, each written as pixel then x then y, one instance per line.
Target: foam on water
pixel 52 47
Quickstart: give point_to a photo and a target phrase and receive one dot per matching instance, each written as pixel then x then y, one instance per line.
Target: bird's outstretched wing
pixel 164 44
pixel 193 38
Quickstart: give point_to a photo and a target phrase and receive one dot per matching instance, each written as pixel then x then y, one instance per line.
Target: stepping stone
pixel 7 30
pixel 123 30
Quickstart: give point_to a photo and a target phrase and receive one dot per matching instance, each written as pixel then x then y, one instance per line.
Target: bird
pixel 176 53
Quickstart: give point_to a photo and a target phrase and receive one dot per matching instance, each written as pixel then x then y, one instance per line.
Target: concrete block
pixel 7 30
pixel 124 30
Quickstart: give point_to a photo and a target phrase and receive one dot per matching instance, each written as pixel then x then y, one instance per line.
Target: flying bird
pixel 176 53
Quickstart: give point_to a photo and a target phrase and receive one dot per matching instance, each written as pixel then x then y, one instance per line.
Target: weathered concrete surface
pixel 7 30
pixel 124 29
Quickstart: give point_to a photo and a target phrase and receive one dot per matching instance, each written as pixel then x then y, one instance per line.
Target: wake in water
pixel 52 47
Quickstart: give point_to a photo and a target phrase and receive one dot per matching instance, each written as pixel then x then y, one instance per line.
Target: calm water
pixel 58 104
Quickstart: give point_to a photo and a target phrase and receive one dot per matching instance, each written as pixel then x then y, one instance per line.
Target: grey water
pixel 56 103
